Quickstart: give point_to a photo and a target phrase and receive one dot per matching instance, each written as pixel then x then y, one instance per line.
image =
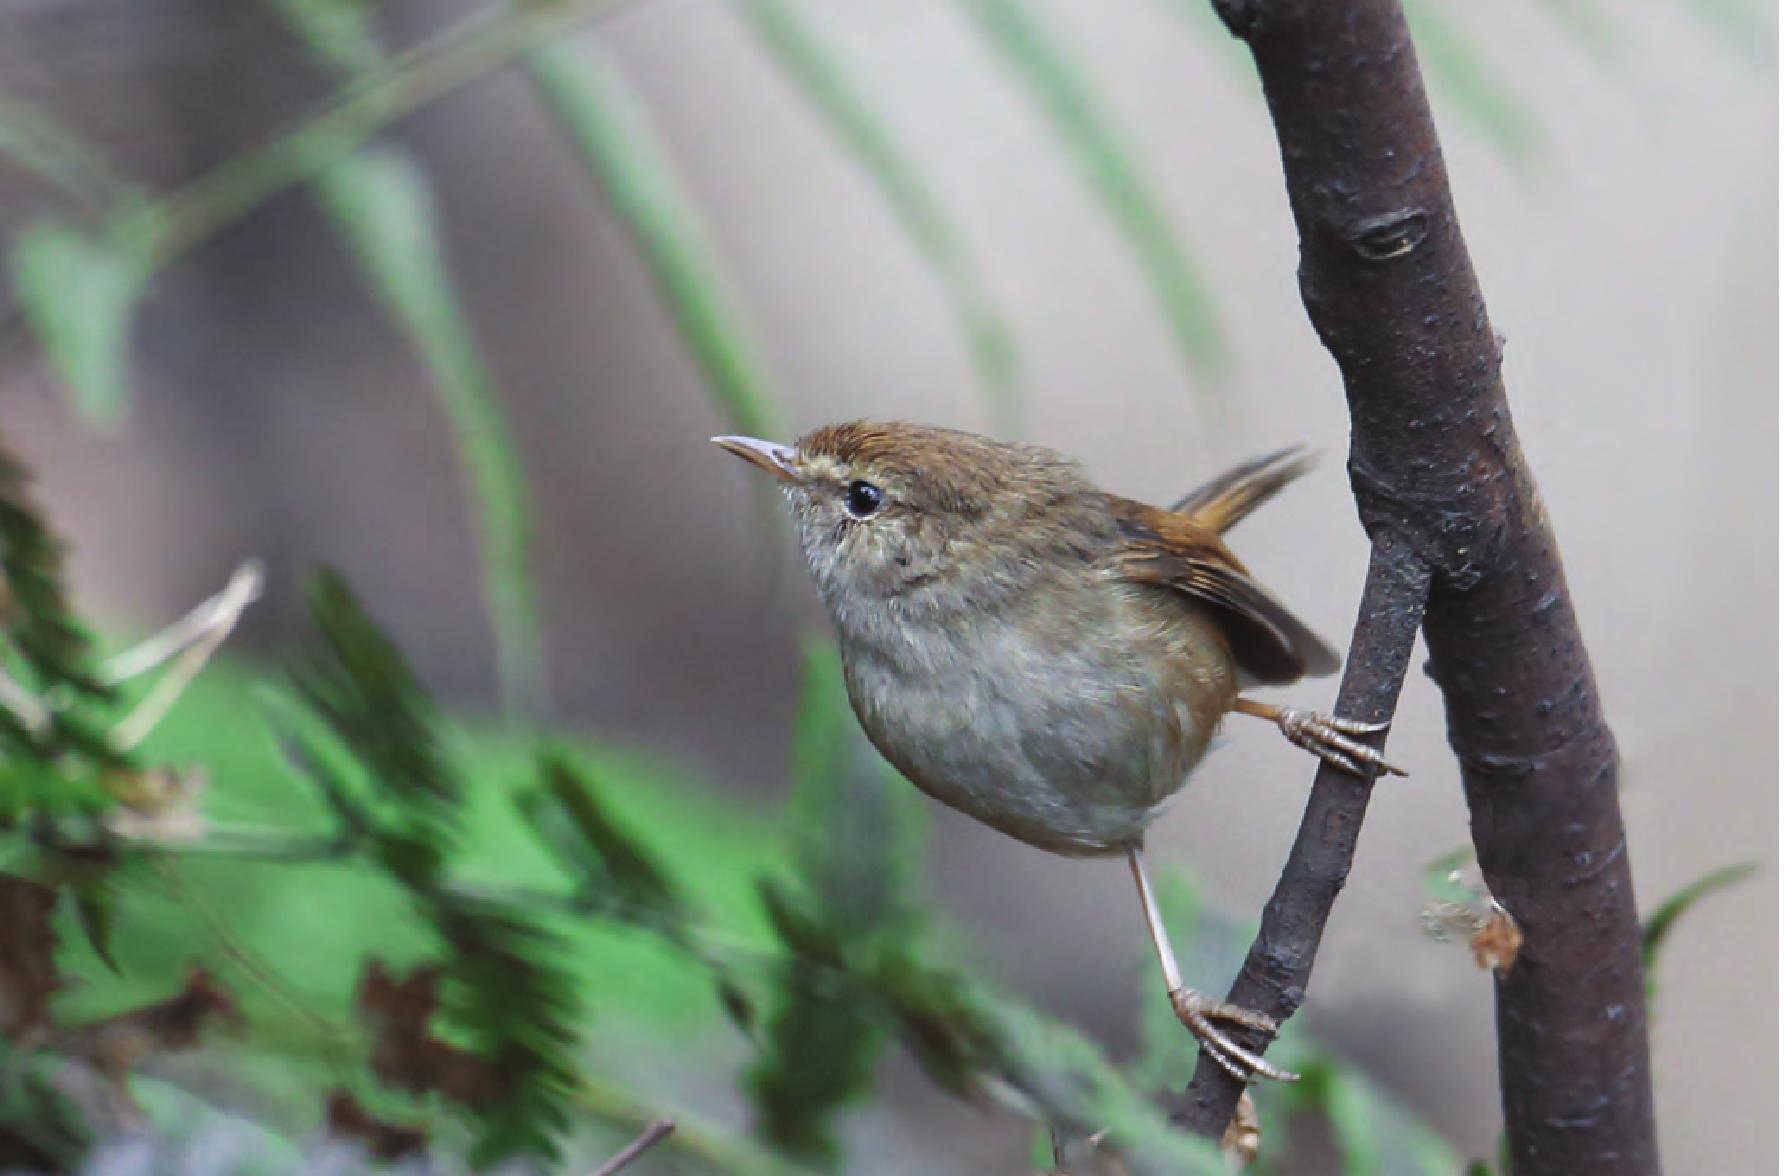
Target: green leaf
pixel 40 144
pixel 1660 924
pixel 1073 1087
pixel 58 750
pixel 598 113
pixel 1068 98
pixel 336 31
pixel 38 621
pixel 381 204
pixel 1375 1133
pixel 512 998
pixel 1469 85
pixel 1598 36
pixel 45 1127
pixel 1742 26
pixel 616 871
pixel 856 845
pixel 971 1041
pixel 821 1043
pixel 1440 887
pixel 857 826
pixel 79 293
pixel 826 83
pixel 362 686
pixel 96 906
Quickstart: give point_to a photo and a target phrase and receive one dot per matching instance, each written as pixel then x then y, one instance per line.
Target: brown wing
pixel 1179 552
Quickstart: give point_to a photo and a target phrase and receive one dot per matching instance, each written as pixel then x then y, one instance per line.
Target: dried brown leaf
pixel 386 1141
pixel 407 1055
pixel 157 804
pixel 1496 944
pixel 1242 1136
pixel 116 1045
pixel 27 958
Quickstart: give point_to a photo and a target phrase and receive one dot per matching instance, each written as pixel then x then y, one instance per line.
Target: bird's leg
pixel 1326 736
pixel 1197 1010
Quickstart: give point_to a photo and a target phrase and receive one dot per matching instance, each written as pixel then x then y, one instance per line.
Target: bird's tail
pixel 1223 500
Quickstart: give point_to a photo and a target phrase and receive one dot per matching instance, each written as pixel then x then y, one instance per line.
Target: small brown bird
pixel 1043 656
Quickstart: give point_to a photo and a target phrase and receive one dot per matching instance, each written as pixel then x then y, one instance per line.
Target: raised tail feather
pixel 1223 500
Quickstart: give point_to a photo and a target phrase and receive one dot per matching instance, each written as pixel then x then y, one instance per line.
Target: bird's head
pixel 896 510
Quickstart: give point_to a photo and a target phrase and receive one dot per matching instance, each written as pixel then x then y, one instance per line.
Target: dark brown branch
pixel 1438 473
pixel 1274 977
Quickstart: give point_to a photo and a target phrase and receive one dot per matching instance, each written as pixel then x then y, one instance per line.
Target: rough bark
pixel 1445 495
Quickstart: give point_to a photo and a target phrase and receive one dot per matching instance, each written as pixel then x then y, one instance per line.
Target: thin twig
pixel 243 589
pixel 1274 977
pixel 194 639
pixel 332 1034
pixel 651 1136
pixel 706 1142
pixel 172 225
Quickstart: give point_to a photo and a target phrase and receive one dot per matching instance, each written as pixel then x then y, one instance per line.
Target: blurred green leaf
pixel 39 623
pixel 825 81
pixel 605 123
pixel 40 144
pixel 96 906
pixel 1073 1087
pixel 44 1128
pixel 1440 886
pixel 55 711
pixel 613 867
pixel 1468 84
pixel 1045 67
pixel 336 31
pixel 1347 1109
pixel 856 851
pixel 1376 1135
pixel 513 999
pixel 382 206
pixel 79 293
pixel 509 991
pixel 1742 25
pixel 1596 35
pixel 363 687
pixel 821 1042
pixel 1657 926
pixel 857 826
pixel 971 1041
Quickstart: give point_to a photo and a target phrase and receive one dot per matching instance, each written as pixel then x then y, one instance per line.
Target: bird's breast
pixel 1064 724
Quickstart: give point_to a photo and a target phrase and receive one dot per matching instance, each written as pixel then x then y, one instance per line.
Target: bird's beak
pixel 776 459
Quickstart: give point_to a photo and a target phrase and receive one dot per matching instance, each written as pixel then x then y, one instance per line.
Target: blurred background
pixel 1059 221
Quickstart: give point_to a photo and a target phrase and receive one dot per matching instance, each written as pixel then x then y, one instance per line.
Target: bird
pixel 1048 658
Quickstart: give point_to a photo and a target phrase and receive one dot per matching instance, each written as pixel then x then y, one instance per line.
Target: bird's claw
pixel 1329 737
pixel 1199 1012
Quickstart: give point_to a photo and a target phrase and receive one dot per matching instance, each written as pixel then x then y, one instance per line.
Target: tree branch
pixel 1437 472
pixel 1274 977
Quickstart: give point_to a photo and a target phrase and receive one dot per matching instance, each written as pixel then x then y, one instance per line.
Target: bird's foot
pixel 1201 1012
pixel 1330 738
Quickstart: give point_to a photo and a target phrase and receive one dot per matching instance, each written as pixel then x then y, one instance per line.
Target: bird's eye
pixel 862 499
